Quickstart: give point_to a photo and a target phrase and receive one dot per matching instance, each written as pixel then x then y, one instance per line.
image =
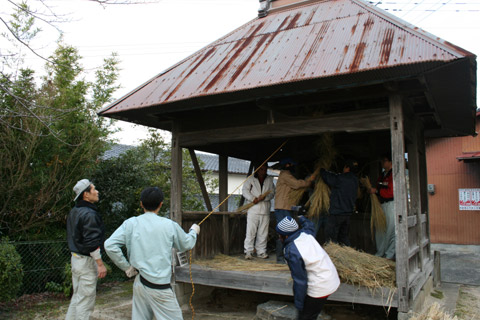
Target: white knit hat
pixel 287 226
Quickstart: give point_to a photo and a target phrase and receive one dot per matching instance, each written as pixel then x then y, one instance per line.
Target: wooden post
pixel 437 274
pixel 414 181
pixel 400 199
pixel 424 195
pixel 176 183
pixel 200 180
pixel 222 194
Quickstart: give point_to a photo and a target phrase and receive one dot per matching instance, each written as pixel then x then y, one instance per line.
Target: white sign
pixel 469 199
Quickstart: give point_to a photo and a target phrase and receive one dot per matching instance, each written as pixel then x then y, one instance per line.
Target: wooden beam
pixel 400 199
pixel 201 182
pixel 176 183
pixel 278 282
pixel 417 282
pixel 222 195
pixel 366 120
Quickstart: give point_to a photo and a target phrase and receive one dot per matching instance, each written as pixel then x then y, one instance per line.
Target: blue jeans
pixel 337 229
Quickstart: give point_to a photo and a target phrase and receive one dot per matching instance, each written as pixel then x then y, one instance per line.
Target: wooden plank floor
pixel 277 282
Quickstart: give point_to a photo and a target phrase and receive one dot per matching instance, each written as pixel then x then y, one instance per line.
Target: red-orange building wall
pixel 449 224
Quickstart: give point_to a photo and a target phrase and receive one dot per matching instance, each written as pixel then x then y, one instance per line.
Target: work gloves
pixel 195 227
pixel 131 272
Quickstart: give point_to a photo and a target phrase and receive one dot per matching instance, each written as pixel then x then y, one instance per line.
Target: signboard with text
pixel 469 199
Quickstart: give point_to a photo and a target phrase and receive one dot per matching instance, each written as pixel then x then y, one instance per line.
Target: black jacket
pixel 85 229
pixel 343 191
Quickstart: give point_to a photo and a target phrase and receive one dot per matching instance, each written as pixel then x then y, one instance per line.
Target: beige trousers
pixel 84 281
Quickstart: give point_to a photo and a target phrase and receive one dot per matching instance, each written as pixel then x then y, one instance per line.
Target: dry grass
pixel 296 195
pixel 377 219
pixel 434 312
pixel 354 267
pixel 319 201
pixel 229 263
pixel 360 268
pixel 247 206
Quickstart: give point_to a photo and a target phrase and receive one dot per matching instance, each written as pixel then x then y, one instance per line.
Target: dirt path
pixel 114 302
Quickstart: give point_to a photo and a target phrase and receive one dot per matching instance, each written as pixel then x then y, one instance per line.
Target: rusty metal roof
pixel 312 40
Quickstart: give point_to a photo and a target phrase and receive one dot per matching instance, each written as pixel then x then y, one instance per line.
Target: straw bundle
pixel 377 219
pixel 296 195
pixel 247 206
pixel 320 199
pixel 434 312
pixel 229 263
pixel 360 268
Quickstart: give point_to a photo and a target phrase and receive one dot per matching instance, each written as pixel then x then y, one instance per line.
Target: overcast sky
pixel 149 38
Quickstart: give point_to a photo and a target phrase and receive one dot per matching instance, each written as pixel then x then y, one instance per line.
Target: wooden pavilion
pixel 303 68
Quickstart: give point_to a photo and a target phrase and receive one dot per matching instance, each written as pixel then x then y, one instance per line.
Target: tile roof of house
pixel 116 151
pixel 210 161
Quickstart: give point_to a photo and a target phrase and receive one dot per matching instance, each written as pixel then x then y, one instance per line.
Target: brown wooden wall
pixel 448 224
pixel 210 241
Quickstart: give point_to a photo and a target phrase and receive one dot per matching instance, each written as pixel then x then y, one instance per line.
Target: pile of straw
pixel 434 312
pixel 229 263
pixel 377 219
pixel 319 201
pixel 247 206
pixel 360 268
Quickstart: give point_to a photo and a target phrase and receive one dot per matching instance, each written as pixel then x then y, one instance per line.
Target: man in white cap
pixel 314 274
pixel 85 236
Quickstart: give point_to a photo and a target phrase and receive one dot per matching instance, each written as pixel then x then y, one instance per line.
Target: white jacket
pixel 252 189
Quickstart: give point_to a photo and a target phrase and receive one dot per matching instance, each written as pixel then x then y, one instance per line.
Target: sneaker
pixel 263 256
pixel 248 256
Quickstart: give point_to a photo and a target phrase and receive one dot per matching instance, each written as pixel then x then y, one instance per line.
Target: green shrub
pixel 11 271
pixel 53 287
pixel 67 281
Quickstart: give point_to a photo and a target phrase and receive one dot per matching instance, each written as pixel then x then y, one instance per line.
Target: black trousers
pixel 337 229
pixel 311 308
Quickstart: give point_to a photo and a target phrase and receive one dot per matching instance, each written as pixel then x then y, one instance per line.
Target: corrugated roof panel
pixel 318 40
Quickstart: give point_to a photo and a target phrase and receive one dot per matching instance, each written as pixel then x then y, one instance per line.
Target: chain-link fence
pixel 43 262
pixel 46 264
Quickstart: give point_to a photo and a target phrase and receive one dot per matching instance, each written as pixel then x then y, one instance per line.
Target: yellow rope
pixel 193 287
pixel 190 267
